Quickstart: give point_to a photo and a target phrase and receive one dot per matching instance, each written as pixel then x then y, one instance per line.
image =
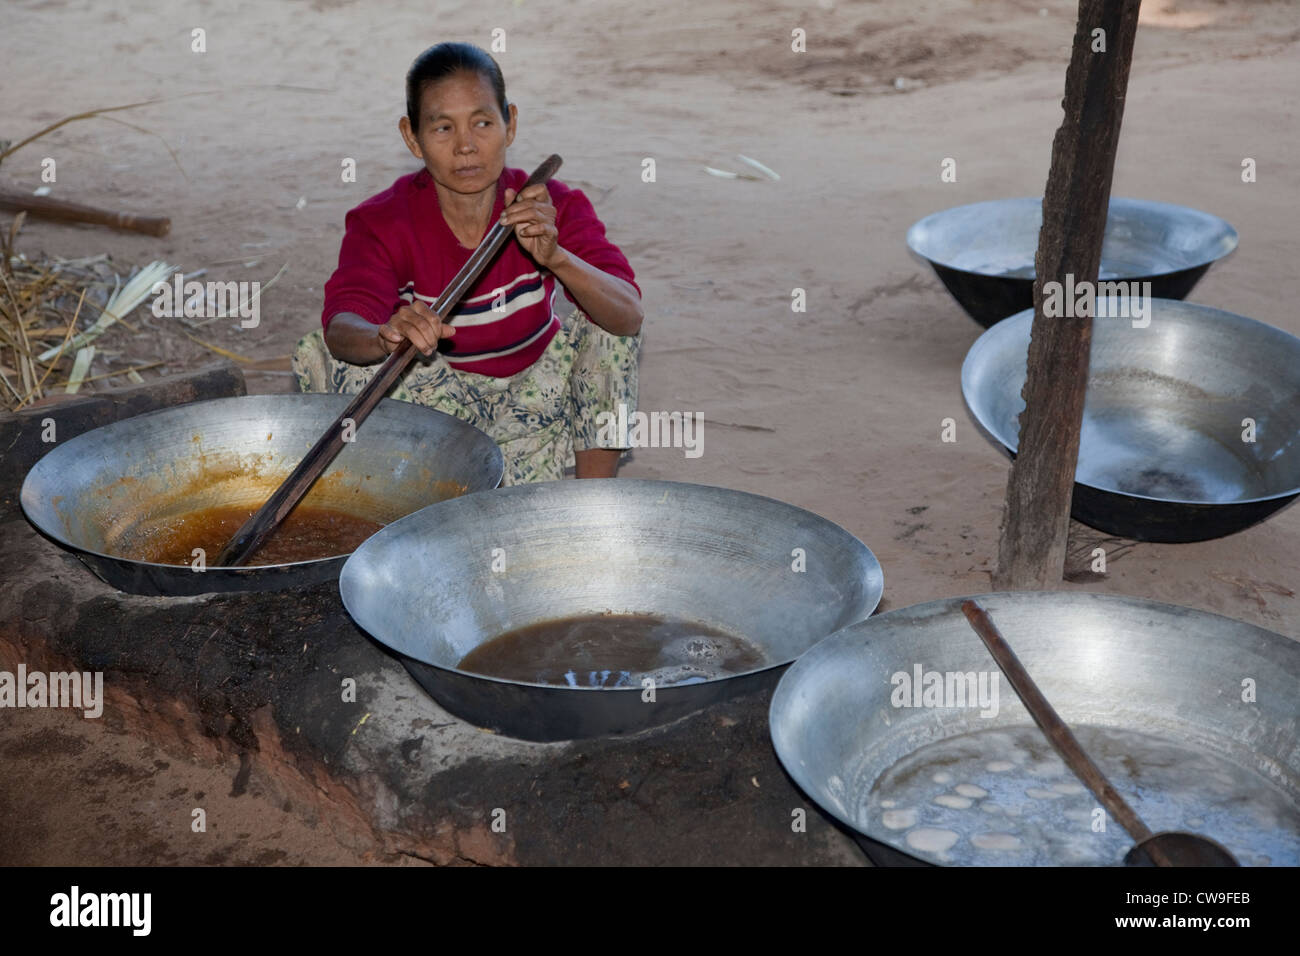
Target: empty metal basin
pixel 984 252
pixel 1163 454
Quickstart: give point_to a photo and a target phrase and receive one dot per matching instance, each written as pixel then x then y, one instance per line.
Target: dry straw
pixel 41 302
pixel 37 296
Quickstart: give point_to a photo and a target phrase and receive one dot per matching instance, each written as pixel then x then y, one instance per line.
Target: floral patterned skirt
pixel 537 417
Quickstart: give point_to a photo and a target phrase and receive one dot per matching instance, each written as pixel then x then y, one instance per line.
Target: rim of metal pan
pixel 1230 239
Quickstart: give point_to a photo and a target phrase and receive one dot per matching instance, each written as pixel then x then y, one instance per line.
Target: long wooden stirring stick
pixel 261 525
pixel 1058 731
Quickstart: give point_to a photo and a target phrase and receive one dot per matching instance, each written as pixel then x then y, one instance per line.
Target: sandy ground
pixel 837 410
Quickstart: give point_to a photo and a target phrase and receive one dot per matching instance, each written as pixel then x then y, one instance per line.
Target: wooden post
pixel 1031 553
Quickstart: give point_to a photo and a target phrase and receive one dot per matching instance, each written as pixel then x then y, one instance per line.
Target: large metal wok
pixel 1162 451
pixel 426 587
pixel 1193 717
pixel 984 253
pixel 91 490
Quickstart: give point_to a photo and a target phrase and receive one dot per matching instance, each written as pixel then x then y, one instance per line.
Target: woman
pixel 514 359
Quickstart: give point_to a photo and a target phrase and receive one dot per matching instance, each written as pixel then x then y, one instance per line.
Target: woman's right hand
pixel 417 322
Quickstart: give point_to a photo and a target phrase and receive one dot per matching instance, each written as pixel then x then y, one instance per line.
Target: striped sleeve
pixel 366 280
pixel 582 233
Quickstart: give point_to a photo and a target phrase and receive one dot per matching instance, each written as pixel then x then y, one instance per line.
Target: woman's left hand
pixel 533 218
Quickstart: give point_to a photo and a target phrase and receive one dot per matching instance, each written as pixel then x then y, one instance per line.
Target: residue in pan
pixel 613 650
pixel 1003 797
pixel 201 503
pixel 308 533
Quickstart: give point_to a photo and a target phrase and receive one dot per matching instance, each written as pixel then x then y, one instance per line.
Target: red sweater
pixel 398 245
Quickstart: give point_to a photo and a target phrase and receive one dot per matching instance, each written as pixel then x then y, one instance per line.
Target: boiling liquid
pixel 612 650
pixel 1003 796
pixel 308 533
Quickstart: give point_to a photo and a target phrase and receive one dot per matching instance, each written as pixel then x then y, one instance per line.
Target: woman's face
pixel 462 137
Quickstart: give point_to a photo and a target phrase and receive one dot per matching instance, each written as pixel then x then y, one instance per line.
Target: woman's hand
pixel 416 322
pixel 611 302
pixel 533 218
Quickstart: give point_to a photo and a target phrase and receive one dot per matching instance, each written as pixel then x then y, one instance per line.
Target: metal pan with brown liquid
pixel 113 493
pixel 710 592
